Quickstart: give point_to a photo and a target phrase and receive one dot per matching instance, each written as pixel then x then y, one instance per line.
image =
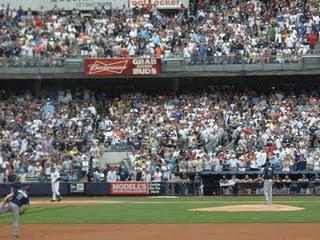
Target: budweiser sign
pixel 107 67
pixel 123 67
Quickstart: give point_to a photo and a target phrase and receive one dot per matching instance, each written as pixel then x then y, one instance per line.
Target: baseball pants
pixel 267 188
pixel 55 190
pixel 11 207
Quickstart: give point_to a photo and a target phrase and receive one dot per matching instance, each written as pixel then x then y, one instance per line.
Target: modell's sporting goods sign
pixel 129 188
pixel 162 4
pixel 122 66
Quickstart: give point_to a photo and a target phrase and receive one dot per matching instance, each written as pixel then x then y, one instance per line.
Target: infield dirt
pixel 250 208
pixel 250 231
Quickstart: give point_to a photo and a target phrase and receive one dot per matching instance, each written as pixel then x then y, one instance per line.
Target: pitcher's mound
pixel 250 208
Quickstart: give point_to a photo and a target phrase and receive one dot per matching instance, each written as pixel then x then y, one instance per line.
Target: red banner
pixel 108 67
pixel 122 66
pixel 129 188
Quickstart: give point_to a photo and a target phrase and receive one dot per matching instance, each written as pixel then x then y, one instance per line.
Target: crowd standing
pixel 279 31
pixel 218 130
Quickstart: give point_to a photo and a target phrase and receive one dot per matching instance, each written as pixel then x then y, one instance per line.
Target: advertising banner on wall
pixel 108 66
pixel 48 5
pixel 122 66
pixel 85 5
pixel 154 188
pixel 129 188
pixel 77 188
pixel 161 4
pixel 146 66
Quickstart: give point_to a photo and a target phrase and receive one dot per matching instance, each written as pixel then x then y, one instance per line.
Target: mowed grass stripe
pixel 195 200
pixel 168 211
pixel 183 199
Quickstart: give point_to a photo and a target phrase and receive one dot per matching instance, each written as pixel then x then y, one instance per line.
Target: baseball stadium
pixel 159 119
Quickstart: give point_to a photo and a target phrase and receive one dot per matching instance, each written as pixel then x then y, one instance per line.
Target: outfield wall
pixel 211 186
pixel 109 189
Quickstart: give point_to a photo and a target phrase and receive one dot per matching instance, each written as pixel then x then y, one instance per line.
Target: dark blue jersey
pixel 20 198
pixel 268 173
pixel 16 186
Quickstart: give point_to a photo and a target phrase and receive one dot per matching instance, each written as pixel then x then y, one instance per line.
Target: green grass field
pixel 153 210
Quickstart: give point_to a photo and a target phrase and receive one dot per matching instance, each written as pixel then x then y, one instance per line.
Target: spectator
pixel 85 165
pixel 312 40
pixel 67 164
pixel 277 162
pixel 310 162
pixel 157 175
pixel 37 170
pixel 1 174
pixel 123 173
pixel 31 171
pixel 233 163
pixel 72 176
pixel 112 175
pixel 317 165
pixel 286 164
pixel 10 176
pixel 146 176
pixel 91 175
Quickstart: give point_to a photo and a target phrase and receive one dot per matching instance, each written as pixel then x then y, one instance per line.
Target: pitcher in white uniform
pixel 55 184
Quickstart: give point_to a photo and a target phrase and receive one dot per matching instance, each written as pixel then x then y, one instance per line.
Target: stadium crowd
pixel 279 31
pixel 218 130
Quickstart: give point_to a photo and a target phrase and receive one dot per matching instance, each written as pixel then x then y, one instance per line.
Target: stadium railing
pixel 241 63
pixel 75 64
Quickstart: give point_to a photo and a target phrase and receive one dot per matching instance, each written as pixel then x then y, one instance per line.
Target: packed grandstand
pixel 244 31
pixel 215 130
pixel 221 130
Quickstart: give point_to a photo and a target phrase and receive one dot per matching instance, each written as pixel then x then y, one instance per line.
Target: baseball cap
pixel 27 188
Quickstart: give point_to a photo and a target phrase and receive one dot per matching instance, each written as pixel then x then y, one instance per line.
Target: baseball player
pixel 17 203
pixel 268 175
pixel 55 184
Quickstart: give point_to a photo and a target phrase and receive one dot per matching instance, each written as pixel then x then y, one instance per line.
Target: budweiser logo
pixel 116 67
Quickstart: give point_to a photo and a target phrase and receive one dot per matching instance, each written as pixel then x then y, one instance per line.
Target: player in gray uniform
pixel 17 203
pixel 268 175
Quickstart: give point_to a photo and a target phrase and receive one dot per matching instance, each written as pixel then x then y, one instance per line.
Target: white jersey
pixel 111 176
pixel 54 176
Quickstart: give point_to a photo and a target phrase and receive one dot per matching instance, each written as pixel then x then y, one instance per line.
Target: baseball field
pixel 168 218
